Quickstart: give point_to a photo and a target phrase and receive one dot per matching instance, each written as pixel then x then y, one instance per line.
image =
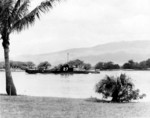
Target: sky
pixel 83 23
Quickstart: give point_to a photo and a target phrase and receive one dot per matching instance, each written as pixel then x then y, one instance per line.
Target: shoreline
pixel 2 70
pixel 18 70
pixel 29 106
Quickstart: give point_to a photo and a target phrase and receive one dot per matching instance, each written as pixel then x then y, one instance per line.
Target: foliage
pixel 135 65
pixel 17 14
pixel 30 64
pixel 87 66
pixel 121 89
pixel 79 64
pixel 106 65
pixel 18 65
pixel 44 65
pixel 75 63
pixel 143 65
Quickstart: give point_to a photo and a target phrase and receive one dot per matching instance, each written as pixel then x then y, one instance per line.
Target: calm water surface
pixel 73 86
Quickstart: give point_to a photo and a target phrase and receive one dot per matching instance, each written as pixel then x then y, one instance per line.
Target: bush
pixel 121 89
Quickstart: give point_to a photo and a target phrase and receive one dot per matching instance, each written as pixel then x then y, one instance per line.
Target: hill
pixel 118 52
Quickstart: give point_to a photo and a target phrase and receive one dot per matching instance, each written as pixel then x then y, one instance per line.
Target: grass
pixel 47 107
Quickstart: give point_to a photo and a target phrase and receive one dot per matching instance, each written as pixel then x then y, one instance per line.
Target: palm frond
pixel 20 8
pixel 30 18
pixel 18 3
pixel 6 7
pixel 20 11
pixel 107 84
pixel 6 3
pixel 126 81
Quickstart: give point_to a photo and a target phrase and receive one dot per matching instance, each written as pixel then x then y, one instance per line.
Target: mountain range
pixel 117 52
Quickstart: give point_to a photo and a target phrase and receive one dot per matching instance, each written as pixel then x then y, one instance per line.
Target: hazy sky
pixel 84 23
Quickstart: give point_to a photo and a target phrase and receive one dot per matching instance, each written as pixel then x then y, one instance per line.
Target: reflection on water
pixel 73 86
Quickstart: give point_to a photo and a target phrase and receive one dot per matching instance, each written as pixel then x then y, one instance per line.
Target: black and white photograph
pixel 74 58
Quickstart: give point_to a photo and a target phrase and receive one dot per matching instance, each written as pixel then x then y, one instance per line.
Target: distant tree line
pixel 135 65
pixel 106 66
pixel 143 65
pixel 26 65
pixel 18 65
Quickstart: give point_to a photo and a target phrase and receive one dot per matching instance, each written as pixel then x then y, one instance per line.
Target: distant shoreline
pixel 18 70
pixel 126 70
pixel 12 70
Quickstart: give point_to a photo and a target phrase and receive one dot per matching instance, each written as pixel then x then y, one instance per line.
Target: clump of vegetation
pixel 18 65
pixel 79 64
pixel 143 65
pixel 44 65
pixel 121 89
pixel 106 66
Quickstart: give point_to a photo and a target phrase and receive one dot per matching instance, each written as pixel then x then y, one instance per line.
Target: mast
pixel 67 57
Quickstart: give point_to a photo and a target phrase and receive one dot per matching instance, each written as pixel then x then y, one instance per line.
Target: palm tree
pixel 15 16
pixel 121 89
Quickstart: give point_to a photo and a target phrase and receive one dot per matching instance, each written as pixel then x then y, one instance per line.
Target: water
pixel 73 86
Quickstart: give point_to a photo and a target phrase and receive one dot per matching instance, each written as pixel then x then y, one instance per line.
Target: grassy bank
pixel 42 107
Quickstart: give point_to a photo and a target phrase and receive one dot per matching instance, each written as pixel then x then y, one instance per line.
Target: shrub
pixel 121 89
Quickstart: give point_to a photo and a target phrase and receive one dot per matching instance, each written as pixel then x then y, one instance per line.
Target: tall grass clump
pixel 120 88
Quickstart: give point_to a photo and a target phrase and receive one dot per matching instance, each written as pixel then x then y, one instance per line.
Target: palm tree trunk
pixel 115 96
pixel 10 87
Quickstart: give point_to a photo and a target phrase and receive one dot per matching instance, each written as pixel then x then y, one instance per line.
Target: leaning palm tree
pixel 15 16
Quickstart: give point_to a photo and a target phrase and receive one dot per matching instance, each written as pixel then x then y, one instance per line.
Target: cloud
pixel 84 23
